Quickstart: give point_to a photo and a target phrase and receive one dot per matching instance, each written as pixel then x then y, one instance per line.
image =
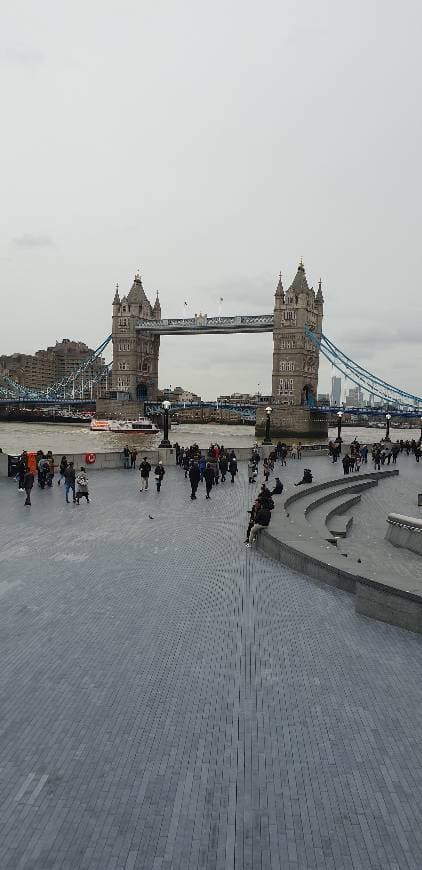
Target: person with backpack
pixel 82 484
pixel 159 474
pixel 233 467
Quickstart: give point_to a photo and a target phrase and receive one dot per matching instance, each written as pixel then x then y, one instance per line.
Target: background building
pixel 336 391
pixel 354 397
pixel 46 367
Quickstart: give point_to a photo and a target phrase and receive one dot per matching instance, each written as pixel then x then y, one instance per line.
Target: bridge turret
pixel 116 300
pixel 156 311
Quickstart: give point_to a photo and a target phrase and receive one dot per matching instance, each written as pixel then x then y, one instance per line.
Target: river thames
pixel 15 437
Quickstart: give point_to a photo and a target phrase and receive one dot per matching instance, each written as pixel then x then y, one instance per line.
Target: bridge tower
pixel 295 361
pixel 135 356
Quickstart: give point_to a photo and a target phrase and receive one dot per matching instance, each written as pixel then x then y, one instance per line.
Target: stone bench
pixel 405 532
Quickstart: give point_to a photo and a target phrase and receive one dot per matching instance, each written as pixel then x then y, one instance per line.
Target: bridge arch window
pixel 287 365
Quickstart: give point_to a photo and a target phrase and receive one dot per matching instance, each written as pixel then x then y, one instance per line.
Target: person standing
pixel 194 477
pixel 133 455
pixel 159 474
pixel 209 479
pixel 145 469
pixel 346 463
pixel 28 483
pixel 82 483
pixel 266 469
pixel 69 481
pixel 62 469
pixel 233 467
pixel 251 469
pixel 126 456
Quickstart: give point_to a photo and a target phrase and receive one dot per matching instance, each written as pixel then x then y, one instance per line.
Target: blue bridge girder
pixel 202 325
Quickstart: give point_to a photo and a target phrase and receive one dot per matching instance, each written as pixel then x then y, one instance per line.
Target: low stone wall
pixel 405 532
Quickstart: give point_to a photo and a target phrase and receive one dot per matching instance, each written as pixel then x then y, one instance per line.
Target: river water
pixel 15 437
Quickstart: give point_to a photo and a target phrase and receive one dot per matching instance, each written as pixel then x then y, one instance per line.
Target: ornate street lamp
pixel 339 416
pixel 165 442
pixel 387 434
pixel 267 439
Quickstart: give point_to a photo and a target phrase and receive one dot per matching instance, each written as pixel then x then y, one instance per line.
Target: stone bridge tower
pixel 296 361
pixel 135 356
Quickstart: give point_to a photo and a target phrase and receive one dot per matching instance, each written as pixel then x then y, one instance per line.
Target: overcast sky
pixel 213 144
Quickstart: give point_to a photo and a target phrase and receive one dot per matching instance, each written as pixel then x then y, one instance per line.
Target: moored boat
pixel 143 426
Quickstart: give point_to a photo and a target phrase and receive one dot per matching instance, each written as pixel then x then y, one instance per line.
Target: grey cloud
pixel 28 240
pixel 21 55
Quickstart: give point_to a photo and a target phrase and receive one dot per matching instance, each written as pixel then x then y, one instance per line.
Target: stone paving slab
pixel 171 699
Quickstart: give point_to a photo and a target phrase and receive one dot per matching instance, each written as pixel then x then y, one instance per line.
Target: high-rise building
pixel 44 368
pixel 295 357
pixel 336 391
pixel 354 397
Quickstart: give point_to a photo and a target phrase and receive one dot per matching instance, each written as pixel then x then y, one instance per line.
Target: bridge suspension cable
pixel 360 376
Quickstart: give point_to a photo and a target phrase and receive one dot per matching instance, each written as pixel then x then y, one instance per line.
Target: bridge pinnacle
pixel 116 299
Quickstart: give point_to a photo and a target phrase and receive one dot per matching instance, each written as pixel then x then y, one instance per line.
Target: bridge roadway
pixel 171 699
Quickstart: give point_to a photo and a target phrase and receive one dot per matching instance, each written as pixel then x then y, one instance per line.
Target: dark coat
pixel 159 471
pixel 209 476
pixel 145 468
pixel 28 480
pixel 70 475
pixel 194 474
pixel 263 516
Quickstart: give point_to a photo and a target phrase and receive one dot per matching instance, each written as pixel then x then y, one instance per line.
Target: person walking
pixel 28 483
pixel 62 470
pixel 251 469
pixel 209 479
pixel 266 470
pixel 233 467
pixel 69 481
pixel 202 464
pixel 145 469
pixel 126 456
pixel 159 474
pixel 133 455
pixel 223 466
pixel 194 477
pixel 82 484
pixel 22 467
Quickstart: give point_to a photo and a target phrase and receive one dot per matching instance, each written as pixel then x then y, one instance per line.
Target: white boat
pixel 143 426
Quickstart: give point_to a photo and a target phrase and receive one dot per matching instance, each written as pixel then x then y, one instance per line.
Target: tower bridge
pixel 130 383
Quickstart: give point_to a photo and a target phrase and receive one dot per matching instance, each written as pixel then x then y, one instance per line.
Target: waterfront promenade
pixel 172 699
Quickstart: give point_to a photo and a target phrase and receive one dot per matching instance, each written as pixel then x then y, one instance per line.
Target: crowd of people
pixel 384 453
pixel 210 467
pixel 41 466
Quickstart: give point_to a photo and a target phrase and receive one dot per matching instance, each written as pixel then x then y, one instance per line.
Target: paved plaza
pixel 172 699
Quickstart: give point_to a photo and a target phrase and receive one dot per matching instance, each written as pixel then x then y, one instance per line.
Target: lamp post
pixel 339 416
pixel 267 439
pixel 387 434
pixel 165 442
